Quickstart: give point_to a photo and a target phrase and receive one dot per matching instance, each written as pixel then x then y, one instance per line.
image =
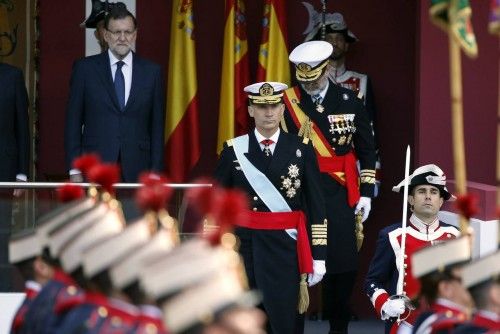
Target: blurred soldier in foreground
pixel 482 278
pixel 439 269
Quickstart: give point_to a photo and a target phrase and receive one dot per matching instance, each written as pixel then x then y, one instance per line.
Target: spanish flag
pixel 233 114
pixel 182 149
pixel 454 16
pixel 273 53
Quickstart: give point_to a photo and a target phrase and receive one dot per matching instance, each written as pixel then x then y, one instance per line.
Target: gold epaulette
pixel 283 124
pixel 319 234
pixel 229 142
pixel 367 176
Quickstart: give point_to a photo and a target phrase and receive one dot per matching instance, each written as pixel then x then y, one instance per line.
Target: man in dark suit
pixel 280 175
pixel 334 120
pixel 14 153
pixel 116 104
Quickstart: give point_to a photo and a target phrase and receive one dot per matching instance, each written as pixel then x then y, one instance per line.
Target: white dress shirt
pixel 274 138
pixel 126 70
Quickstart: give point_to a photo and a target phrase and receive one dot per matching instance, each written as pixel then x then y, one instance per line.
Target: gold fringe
pixel 303 295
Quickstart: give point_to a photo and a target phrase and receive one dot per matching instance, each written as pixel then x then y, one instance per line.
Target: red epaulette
pixel 68 298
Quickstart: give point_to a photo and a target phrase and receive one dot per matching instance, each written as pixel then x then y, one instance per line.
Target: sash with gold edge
pixel 342 168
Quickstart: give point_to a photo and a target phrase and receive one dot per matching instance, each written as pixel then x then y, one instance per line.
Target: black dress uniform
pixel 345 135
pixel 270 256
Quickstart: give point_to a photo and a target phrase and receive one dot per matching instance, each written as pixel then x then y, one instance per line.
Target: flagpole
pixel 457 122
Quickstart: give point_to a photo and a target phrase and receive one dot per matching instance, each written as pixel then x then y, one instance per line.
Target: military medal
pixel 320 108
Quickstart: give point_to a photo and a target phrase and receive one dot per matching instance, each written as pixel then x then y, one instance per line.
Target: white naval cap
pixel 265 92
pixel 438 257
pixel 310 59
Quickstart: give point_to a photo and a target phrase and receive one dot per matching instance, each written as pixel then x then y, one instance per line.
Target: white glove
pixel 319 270
pixel 393 308
pixel 365 204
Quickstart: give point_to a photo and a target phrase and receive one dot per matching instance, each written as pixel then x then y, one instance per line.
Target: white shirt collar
pixel 423 227
pixel 274 137
pixel 113 60
pixel 32 285
pixel 489 315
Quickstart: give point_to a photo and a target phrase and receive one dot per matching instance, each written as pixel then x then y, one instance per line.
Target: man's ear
pixel 411 200
pixel 250 111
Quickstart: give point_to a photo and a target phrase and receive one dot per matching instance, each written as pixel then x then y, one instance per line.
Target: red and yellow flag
pixel 233 115
pixel 182 148
pixel 273 53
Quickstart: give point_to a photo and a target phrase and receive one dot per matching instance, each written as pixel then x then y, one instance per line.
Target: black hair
pixel 118 12
pixel 27 269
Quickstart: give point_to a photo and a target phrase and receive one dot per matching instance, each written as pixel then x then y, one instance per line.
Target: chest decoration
pixel 342 128
pixel 291 182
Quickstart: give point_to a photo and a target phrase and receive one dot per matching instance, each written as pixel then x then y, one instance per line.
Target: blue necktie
pixel 120 84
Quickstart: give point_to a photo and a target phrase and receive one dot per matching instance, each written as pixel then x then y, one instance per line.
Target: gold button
pixel 103 313
pixel 71 290
pixel 405 266
pixel 254 209
pixel 406 273
pixel 406 256
pixel 404 283
pixel 255 198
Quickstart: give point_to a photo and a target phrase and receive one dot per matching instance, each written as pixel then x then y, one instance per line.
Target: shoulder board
pixel 68 298
pixel 229 142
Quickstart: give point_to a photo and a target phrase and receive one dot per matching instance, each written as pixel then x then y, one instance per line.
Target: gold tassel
pixel 303 295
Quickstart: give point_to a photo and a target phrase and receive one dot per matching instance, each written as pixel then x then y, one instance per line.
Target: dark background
pixel 405 56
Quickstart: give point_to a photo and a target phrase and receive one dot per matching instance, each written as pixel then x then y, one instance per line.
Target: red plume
pixel 202 197
pixel 153 195
pixel 106 175
pixel 69 192
pixel 229 207
pixel 85 162
pixel 467 205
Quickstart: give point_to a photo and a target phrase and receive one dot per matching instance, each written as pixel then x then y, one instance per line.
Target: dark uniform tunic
pixel 42 314
pixel 346 129
pixel 270 256
pixel 99 314
pixel 31 290
pixel 381 280
pixel 443 318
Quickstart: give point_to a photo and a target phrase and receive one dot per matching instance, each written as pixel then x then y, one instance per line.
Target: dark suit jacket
pixel 14 131
pixel 94 122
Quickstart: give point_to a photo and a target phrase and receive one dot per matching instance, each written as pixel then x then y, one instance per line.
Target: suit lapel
pixel 104 72
pixel 255 154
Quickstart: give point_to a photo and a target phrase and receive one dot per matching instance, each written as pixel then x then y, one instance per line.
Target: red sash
pixel 341 168
pixel 283 221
